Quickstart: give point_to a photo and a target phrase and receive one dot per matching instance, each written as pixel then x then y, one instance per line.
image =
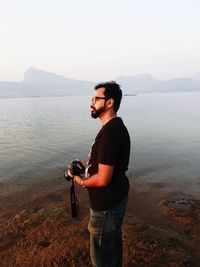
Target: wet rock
pixel 184 209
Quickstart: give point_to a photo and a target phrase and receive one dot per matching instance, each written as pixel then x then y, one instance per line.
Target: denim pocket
pixel 107 221
pixel 96 223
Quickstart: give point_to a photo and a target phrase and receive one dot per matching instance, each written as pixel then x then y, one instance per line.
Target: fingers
pixel 69 166
pixel 69 173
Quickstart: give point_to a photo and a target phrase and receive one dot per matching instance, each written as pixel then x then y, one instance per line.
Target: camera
pixel 76 168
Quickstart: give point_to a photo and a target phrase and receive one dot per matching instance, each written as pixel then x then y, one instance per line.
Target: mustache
pixel 93 108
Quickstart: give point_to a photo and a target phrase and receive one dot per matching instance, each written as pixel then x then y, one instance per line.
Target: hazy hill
pixel 139 83
pixel 144 83
pixel 33 75
pixel 38 83
pixel 196 77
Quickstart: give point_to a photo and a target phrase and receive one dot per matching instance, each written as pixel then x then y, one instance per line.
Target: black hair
pixel 112 90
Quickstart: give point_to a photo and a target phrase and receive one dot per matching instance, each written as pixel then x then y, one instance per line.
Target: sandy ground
pixel 161 226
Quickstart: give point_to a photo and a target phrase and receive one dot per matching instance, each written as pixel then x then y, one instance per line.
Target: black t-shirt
pixel 111 147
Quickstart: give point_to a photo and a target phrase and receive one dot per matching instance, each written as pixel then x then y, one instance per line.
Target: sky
pixel 100 40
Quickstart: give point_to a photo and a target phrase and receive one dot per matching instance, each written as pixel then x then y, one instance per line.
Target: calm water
pixel 38 136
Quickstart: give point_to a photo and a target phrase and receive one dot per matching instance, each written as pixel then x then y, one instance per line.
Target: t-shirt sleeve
pixel 108 148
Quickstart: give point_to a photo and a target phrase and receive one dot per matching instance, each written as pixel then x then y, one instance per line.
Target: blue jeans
pixel 106 247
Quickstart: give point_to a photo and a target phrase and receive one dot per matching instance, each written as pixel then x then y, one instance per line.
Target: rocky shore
pixel 161 227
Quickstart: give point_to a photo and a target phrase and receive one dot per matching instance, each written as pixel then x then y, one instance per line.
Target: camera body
pixel 76 168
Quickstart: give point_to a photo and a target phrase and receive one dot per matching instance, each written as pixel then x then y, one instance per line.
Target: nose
pixel 92 101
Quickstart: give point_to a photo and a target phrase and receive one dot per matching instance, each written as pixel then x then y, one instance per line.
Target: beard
pixel 95 113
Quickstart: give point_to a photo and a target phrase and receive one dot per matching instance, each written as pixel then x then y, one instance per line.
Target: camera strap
pixel 74 204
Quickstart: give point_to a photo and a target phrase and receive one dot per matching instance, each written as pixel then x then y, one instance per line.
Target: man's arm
pixel 100 179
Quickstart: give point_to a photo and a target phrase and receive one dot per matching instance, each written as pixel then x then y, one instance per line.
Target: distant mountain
pixel 39 83
pixel 139 83
pixel 33 75
pixel 181 84
pixel 196 77
pixel 144 83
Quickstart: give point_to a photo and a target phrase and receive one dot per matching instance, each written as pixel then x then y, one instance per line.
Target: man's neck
pixel 106 117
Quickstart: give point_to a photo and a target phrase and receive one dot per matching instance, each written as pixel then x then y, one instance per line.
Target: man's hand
pixel 70 167
pixel 100 179
pixel 78 180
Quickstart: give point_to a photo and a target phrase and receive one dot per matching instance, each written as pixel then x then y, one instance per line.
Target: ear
pixel 110 103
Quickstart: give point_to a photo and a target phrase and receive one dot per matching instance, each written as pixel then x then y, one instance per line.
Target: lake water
pixel 38 136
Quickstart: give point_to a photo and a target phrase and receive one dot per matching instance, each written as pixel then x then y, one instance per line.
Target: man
pixel 106 181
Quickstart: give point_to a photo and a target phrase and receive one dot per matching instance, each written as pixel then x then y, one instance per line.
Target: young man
pixel 106 181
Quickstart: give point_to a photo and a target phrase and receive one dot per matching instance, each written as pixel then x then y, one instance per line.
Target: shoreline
pixel 161 226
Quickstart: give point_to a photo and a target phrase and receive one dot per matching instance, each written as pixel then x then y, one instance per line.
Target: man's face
pixel 98 103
